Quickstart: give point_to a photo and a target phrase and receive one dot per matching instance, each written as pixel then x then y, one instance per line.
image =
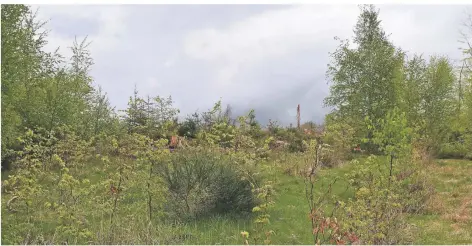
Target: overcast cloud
pixel 266 57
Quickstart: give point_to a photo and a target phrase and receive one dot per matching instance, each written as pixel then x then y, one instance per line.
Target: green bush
pixel 295 139
pixel 340 138
pixel 454 150
pixel 190 127
pixel 203 182
pixel 376 212
pixel 297 145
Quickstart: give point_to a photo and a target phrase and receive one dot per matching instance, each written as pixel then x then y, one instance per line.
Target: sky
pixel 264 57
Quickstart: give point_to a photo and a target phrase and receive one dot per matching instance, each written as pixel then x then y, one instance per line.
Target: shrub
pixel 386 189
pixel 331 158
pixel 201 182
pixel 295 139
pixel 297 145
pixel 340 137
pixel 190 127
pixel 454 150
pixel 375 214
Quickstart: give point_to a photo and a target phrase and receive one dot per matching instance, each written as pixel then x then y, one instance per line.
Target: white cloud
pixel 110 21
pixel 269 58
pixel 242 49
pixel 431 30
pixel 276 33
pixel 271 34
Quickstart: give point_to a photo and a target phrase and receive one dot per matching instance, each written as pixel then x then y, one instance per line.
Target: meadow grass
pixel 447 220
pixel 449 223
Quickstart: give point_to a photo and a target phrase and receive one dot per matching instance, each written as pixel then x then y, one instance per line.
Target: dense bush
pixel 375 213
pixel 340 137
pixel 203 182
pixel 294 137
pixel 455 150
pixel 189 128
pixel 297 145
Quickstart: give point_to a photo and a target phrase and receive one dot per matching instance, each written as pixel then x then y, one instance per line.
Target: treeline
pixel 43 90
pixel 376 77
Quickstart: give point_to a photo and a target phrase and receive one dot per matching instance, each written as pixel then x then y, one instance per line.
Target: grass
pixel 447 223
pixel 448 219
pixel 289 216
pixel 290 219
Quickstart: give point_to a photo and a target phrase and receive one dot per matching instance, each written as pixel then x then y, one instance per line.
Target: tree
pixel 41 89
pixel 135 115
pixel 365 80
pixel 228 114
pixel 464 117
pixel 414 84
pixel 22 61
pixel 154 117
pixel 101 115
pixel 191 126
pixel 438 102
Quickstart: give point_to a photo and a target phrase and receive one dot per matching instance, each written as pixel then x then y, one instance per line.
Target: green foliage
pixel 36 163
pixel 437 101
pixel 221 134
pixel 79 174
pixel 385 190
pixel 456 150
pixel 44 90
pixel 294 137
pixel 414 84
pixel 273 127
pixel 203 182
pixel 22 60
pixel 190 127
pixel 365 80
pixel 265 195
pixel 297 145
pixel 154 117
pixel 375 214
pixel 339 135
pixel 392 134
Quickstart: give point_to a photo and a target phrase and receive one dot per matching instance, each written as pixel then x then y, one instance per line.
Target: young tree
pixel 365 79
pixel 22 63
pixel 191 126
pixel 101 115
pixel 135 116
pixel 438 102
pixel 414 84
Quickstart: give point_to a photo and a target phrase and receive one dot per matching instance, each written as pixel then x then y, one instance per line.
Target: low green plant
pixel 339 135
pixel 265 195
pixel 203 181
pixel 375 213
pixel 453 150
pixel 384 188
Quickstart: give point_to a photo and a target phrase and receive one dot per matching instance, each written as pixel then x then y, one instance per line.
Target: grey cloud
pixel 266 57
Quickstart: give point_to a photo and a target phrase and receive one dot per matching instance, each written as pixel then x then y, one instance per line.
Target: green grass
pixel 290 222
pixel 289 216
pixel 449 218
pixel 290 219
